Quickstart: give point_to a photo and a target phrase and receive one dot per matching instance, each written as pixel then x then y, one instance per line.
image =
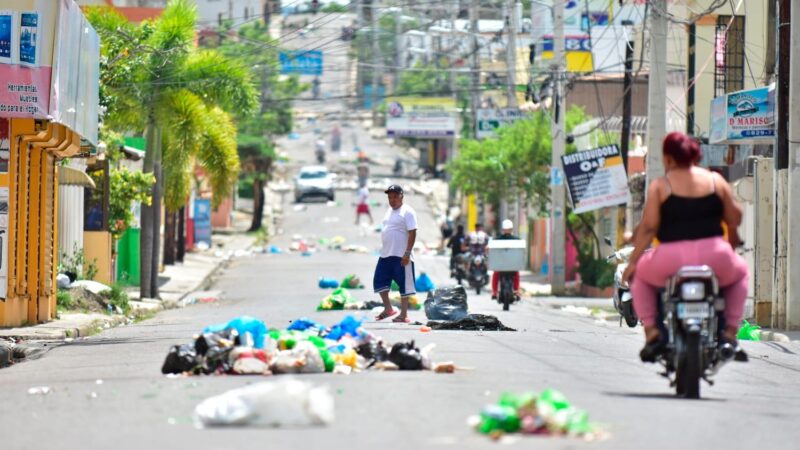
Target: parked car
pixel 314 181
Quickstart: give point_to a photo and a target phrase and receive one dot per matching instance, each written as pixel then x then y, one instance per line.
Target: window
pixel 729 55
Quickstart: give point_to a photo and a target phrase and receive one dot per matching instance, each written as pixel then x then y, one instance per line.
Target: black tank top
pixel 690 218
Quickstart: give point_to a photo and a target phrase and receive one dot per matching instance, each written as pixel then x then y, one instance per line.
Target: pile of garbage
pixel 447 309
pixel 349 282
pixel 548 413
pixel 245 346
pixel 338 300
pixel 301 245
pixel 749 332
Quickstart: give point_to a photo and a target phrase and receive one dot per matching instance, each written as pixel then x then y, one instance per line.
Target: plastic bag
pixel 475 322
pixel 406 356
pixel 749 332
pixel 328 283
pixel 181 358
pixel 337 300
pixel 286 402
pixel 250 330
pixel 352 282
pixel 448 303
pixel 348 325
pixel 305 323
pixel 424 283
pixel 304 357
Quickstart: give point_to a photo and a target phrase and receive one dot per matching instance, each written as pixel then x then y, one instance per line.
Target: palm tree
pixel 154 79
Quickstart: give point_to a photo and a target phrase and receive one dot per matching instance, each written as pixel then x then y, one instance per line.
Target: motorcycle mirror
pixel 607 240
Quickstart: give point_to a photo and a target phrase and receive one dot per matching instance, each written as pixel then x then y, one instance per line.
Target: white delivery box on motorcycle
pixel 506 255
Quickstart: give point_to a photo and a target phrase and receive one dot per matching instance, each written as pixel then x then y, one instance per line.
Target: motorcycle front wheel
pixel 629 314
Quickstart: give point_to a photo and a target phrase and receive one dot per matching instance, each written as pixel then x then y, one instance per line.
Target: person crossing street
pixel 396 262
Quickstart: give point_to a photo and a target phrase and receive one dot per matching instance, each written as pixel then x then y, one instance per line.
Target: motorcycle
pixel 460 267
pixel 692 310
pixel 623 299
pixel 478 275
pixel 506 295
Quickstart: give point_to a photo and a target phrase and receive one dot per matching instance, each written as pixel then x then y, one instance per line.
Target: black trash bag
pixel 446 303
pixel 181 358
pixel 406 356
pixel 370 305
pixel 477 322
pixel 373 352
pixel 213 349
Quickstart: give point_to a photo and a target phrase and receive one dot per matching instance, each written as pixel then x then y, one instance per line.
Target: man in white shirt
pixel 396 262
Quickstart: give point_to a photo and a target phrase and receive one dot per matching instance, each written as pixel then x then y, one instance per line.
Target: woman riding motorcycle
pixel 685 209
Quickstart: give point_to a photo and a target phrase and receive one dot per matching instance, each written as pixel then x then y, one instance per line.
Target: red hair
pixel 682 148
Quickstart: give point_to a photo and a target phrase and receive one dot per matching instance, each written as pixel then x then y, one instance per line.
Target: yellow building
pixel 48 105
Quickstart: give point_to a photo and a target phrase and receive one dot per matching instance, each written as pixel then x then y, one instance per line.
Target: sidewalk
pixel 183 285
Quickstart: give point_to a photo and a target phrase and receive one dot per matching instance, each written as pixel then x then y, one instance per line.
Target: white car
pixel 314 181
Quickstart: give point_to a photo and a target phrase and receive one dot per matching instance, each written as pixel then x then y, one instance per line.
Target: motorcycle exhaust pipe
pixel 727 352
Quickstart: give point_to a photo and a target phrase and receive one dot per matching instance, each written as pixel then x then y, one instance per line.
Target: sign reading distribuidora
pixel 596 178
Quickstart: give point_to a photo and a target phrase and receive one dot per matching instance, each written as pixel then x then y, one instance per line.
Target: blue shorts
pixel 390 269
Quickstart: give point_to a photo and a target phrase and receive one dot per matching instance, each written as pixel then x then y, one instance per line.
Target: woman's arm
pixel 648 226
pixel 731 211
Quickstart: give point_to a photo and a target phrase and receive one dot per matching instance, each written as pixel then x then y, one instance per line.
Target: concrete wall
pixel 97 246
pixel 755 35
pixel 70 219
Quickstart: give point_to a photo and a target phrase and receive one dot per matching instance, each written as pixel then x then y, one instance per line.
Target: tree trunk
pixel 147 236
pixel 258 204
pixel 170 238
pixel 181 233
pixel 155 265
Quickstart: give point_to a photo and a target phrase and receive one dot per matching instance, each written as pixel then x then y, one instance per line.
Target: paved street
pixel 108 392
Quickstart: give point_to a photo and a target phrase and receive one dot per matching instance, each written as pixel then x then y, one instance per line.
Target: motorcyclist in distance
pixel 507 229
pixel 477 240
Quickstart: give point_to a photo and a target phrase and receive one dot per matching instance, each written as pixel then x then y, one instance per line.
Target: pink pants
pixel 656 267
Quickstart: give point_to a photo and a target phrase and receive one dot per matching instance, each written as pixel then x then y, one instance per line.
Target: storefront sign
pixel 307 62
pixel 743 117
pixel 47 78
pixel 596 179
pixel 489 120
pixel 421 117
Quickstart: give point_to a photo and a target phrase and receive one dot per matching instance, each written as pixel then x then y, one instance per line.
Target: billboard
pixel 744 117
pixel 421 117
pixel 44 77
pixel 596 179
pixel 491 119
pixel 308 62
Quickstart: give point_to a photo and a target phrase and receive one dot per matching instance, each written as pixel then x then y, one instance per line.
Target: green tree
pixel 253 46
pixel 154 79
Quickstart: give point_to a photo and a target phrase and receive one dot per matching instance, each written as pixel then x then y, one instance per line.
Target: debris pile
pixel 245 346
pixel 547 413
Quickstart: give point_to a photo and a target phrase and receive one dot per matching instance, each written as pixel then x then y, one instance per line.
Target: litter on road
pixel 287 402
pixel 447 303
pixel 475 322
pixel 749 332
pixel 245 346
pixel 548 413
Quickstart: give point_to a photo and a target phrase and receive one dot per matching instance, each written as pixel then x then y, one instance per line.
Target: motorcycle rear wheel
pixel 506 292
pixel 690 368
pixel 629 314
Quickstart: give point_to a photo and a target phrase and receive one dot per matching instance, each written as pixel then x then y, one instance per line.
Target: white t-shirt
pixel 396 225
pixel 362 195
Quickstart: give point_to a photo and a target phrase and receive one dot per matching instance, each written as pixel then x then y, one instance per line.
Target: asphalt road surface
pixel 595 364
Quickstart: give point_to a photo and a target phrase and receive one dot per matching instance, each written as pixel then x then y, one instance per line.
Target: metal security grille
pixel 729 55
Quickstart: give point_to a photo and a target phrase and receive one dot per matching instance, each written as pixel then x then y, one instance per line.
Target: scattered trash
pixel 269 404
pixel 424 283
pixel 275 249
pixel 445 367
pixel 548 413
pixel 328 283
pixel 63 281
pixel 181 358
pixel 337 300
pixel 475 322
pixel 304 323
pixel 578 310
pixel 39 390
pixel 94 287
pixel 98 382
pixel 352 282
pixel 250 331
pixel 406 356
pixel 749 332
pixel 348 326
pixel 447 303
pixel 202 246
pixel 425 329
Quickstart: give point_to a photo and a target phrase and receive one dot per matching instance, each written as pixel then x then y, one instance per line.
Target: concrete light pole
pixel 657 91
pixel 557 189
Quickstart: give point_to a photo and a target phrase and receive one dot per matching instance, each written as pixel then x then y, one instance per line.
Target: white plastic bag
pixel 287 402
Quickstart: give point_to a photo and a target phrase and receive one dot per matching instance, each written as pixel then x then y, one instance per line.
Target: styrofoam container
pixel 507 255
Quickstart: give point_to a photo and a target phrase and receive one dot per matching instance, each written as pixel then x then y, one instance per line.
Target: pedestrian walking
pixel 362 204
pixel 396 262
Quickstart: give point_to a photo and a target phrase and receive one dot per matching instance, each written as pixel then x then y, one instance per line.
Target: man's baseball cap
pixel 394 188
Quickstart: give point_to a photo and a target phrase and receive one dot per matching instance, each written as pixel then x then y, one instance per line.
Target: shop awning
pixel 74 177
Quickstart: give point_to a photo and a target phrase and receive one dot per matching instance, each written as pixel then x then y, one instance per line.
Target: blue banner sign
pixel 308 62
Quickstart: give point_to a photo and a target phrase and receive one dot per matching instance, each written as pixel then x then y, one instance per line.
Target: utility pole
pixel 399 52
pixel 475 76
pixel 376 60
pixel 557 190
pixel 691 68
pixel 793 197
pixel 657 90
pixel 453 47
pixel 627 113
pixel 511 53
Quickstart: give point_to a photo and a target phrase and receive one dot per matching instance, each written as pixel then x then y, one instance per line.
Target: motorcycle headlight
pixel 693 290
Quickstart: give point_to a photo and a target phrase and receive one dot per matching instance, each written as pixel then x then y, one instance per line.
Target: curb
pixel 773 336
